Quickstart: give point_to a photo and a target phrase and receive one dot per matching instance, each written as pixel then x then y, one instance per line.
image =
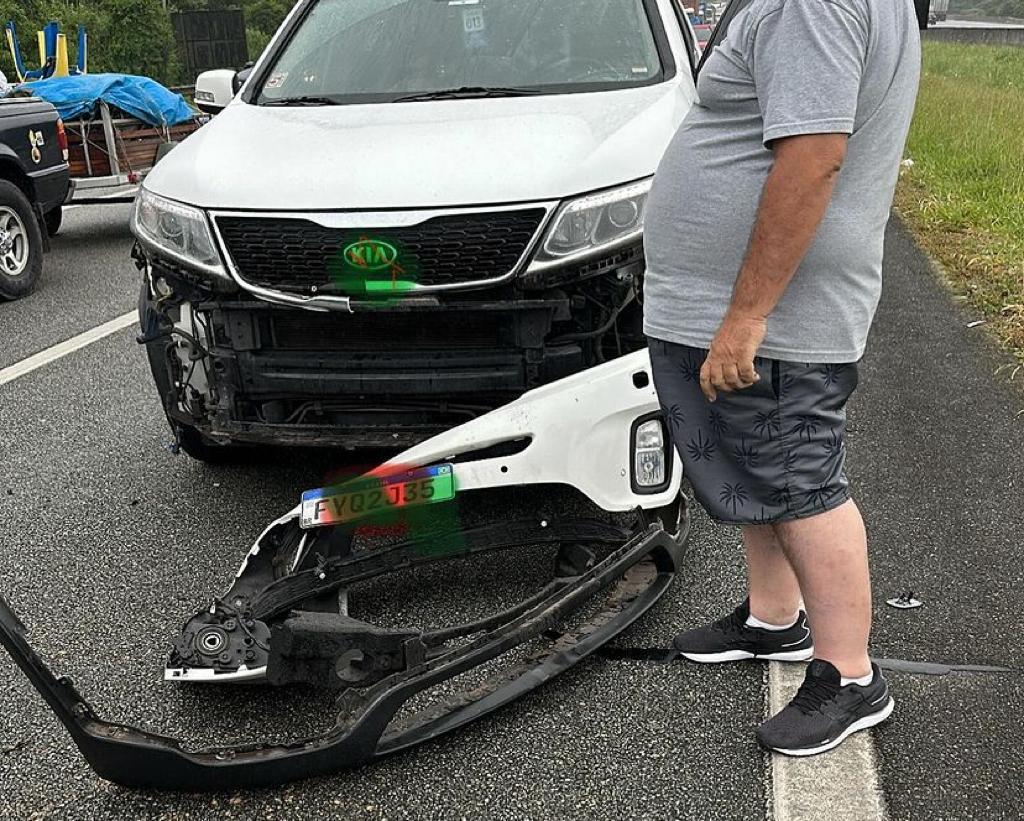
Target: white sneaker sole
pixel 862 724
pixel 743 655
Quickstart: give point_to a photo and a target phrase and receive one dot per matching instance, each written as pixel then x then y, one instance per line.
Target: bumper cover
pixel 609 574
pixel 645 566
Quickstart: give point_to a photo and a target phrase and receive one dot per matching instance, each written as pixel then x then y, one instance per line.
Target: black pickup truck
pixel 34 182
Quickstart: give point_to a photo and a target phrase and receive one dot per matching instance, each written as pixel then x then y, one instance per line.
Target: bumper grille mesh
pixel 294 254
pixel 410 332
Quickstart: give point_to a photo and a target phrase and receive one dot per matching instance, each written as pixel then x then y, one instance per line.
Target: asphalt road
pixel 108 542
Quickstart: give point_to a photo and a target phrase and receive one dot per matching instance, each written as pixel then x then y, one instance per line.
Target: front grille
pixel 298 255
pixel 367 332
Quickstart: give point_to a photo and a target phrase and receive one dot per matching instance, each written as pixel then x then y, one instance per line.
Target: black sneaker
pixel 729 639
pixel 823 714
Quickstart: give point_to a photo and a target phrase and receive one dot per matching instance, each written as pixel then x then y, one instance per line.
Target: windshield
pixel 383 50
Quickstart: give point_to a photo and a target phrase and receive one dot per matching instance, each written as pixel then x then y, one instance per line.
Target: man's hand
pixel 730 362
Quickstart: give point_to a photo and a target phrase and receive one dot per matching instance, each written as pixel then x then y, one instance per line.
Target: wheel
pixel 53 220
pixel 21 243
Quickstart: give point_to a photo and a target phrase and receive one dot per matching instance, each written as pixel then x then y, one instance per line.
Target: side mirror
pixel 240 77
pixel 214 90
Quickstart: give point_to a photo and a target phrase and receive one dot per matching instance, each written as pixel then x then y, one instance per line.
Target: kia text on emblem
pixel 370 254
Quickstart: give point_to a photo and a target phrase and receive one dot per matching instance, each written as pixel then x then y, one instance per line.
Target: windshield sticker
pixel 276 80
pixel 473 20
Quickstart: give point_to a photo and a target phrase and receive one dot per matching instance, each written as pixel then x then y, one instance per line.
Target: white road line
pixel 842 783
pixel 36 361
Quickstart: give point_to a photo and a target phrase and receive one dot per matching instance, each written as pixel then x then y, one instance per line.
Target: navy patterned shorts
pixel 772 452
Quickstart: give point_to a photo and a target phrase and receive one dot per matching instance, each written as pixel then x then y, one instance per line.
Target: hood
pixel 441 153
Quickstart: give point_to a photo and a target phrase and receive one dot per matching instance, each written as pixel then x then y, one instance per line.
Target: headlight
pixel 179 231
pixel 651 455
pixel 594 223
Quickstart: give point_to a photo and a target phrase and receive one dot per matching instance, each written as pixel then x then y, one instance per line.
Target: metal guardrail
pixel 983 36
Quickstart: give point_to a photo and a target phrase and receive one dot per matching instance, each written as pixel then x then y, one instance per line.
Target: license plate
pixel 371 495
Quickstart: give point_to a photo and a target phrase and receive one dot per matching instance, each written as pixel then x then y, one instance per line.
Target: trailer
pixel 118 127
pixel 110 153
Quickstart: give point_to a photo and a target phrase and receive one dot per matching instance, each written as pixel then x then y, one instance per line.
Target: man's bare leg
pixel 774 590
pixel 830 556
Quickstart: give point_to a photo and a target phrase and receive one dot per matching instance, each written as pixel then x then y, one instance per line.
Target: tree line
pixel 130 36
pixel 135 36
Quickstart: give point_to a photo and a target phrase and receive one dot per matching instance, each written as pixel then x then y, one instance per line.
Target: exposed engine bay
pixel 232 369
pixel 285 618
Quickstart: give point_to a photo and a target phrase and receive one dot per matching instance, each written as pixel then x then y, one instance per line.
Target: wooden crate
pixel 136 143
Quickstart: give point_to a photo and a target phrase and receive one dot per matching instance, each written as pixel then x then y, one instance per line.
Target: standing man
pixel 763 234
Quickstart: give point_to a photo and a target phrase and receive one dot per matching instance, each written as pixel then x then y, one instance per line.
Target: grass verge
pixel 964 194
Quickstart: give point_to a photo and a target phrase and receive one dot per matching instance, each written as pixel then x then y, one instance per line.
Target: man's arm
pixel 793 203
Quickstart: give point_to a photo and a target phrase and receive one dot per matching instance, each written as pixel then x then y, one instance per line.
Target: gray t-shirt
pixel 786 67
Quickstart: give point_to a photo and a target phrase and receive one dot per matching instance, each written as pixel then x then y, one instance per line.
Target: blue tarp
pixel 137 96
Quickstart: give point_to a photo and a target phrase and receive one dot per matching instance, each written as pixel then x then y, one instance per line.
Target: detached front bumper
pixel 285 616
pixel 643 566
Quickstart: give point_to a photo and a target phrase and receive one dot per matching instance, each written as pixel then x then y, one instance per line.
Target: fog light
pixel 649 459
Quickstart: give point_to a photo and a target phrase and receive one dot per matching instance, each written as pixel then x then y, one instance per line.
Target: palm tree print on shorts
pixel 745 454
pixel 717 423
pixel 830 374
pixel 806 427
pixel 690 370
pixel 734 496
pixel 833 446
pixel 701 449
pixel 767 424
pixel 780 496
pixel 674 415
pixel 820 496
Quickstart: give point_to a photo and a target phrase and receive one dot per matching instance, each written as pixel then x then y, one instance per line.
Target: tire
pixel 21 243
pixel 53 220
